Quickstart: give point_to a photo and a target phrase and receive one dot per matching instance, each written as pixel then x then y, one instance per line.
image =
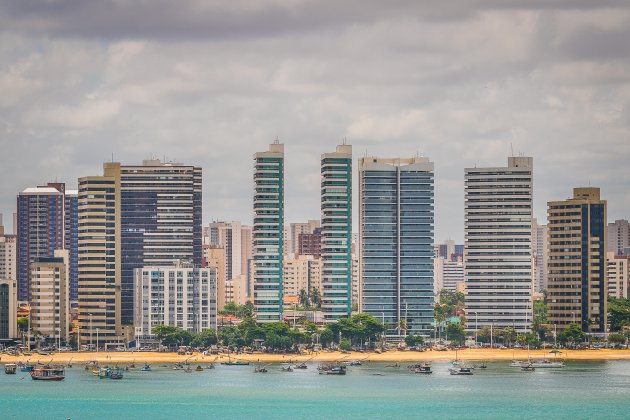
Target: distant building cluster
pixel 128 251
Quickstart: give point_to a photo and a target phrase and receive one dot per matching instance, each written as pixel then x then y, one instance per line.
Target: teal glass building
pixel 267 232
pixel 336 233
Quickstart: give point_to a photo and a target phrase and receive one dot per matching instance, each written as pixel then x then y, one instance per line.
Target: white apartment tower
pixel 539 254
pixel 498 245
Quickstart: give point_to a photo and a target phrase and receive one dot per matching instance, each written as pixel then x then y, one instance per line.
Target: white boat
pixel 461 370
pixel 546 363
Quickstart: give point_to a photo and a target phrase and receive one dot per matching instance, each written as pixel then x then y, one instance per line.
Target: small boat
pixel 10 368
pixel 210 366
pixel 301 366
pixel 178 366
pixel 461 370
pixel 528 368
pixel 146 368
pixel 48 373
pixel 287 368
pixel 260 369
pixel 546 363
pixel 188 369
pixel 395 365
pixel 110 373
pixel 332 369
pixel 235 363
pixel 26 367
pixel 423 368
pixel 354 363
pixel 481 366
pixel 518 363
pixel 198 368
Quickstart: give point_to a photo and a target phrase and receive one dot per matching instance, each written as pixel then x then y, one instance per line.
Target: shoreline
pixel 486 355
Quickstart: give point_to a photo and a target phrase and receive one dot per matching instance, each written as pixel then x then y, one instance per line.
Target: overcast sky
pixel 212 82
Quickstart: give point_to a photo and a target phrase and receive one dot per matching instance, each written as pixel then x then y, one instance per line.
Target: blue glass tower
pixel 396 214
pixel 267 233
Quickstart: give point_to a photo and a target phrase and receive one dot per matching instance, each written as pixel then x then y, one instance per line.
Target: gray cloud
pixel 212 83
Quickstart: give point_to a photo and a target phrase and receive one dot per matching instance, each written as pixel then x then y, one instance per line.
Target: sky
pixel 210 82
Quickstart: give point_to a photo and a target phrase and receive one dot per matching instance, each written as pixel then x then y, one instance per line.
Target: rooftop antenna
pixel 343 142
pixel 276 141
pixel 512 148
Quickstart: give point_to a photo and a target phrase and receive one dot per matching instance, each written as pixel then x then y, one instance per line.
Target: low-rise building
pixel 182 296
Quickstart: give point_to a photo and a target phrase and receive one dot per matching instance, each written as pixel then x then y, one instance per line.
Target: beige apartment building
pixel 300 272
pixel 577 261
pixel 617 275
pixel 99 256
pixel 50 296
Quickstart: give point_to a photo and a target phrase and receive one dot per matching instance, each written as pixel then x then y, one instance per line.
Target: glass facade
pixel 160 221
pixel 267 233
pixel 4 311
pixel 336 233
pixel 396 239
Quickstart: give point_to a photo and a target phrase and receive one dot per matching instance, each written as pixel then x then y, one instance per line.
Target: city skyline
pixel 464 83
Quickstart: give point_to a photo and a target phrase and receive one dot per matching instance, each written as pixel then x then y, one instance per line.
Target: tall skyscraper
pixel 71 240
pixel 619 237
pixel 8 257
pixel 336 233
pixel 267 233
pixel 540 234
pixel 40 230
pixel 396 216
pixel 498 245
pixel 160 220
pixel 577 261
pixel 99 256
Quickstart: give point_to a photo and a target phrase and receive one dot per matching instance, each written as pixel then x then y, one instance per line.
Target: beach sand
pixel 322 356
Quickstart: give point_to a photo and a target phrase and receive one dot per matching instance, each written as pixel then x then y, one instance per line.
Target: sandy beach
pixel 322 356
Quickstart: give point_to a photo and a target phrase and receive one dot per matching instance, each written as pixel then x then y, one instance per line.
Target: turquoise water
pixel 581 390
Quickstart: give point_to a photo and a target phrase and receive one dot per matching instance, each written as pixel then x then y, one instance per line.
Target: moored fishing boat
pixel 26 367
pixel 546 363
pixel 146 368
pixel 461 370
pixel 48 373
pixel 331 369
pixel 260 369
pixel 287 368
pixel 110 373
pixel 422 368
pixel 199 368
pixel 10 368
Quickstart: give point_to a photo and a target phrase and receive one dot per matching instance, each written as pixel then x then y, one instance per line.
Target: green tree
pixel 316 297
pixel 22 323
pixel 484 334
pixel 345 344
pixel 246 310
pixel 169 335
pixel 414 340
pixel 327 337
pixel 456 333
pixel 205 338
pixel 618 313
pixel 617 339
pixel 231 336
pixel 572 334
pixel 303 298
pixel 541 322
pixel 249 330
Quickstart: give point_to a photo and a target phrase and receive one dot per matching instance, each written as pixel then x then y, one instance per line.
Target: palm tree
pixel 304 301
pixel 402 326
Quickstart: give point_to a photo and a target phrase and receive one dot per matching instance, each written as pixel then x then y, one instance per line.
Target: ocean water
pixel 581 390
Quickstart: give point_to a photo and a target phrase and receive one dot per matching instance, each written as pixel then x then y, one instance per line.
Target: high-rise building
pixel 181 296
pixel 498 245
pixel 293 235
pixel 8 257
pixel 46 221
pixel 214 257
pixel 8 309
pixel 619 237
pixel 296 274
pixel 40 230
pixel 539 254
pixel 235 238
pixel 577 261
pixel 160 220
pixel 336 233
pixel 268 232
pixel 50 296
pixel 396 216
pixel 448 274
pixel 617 275
pixel 310 243
pixel 99 256
pixel 71 240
